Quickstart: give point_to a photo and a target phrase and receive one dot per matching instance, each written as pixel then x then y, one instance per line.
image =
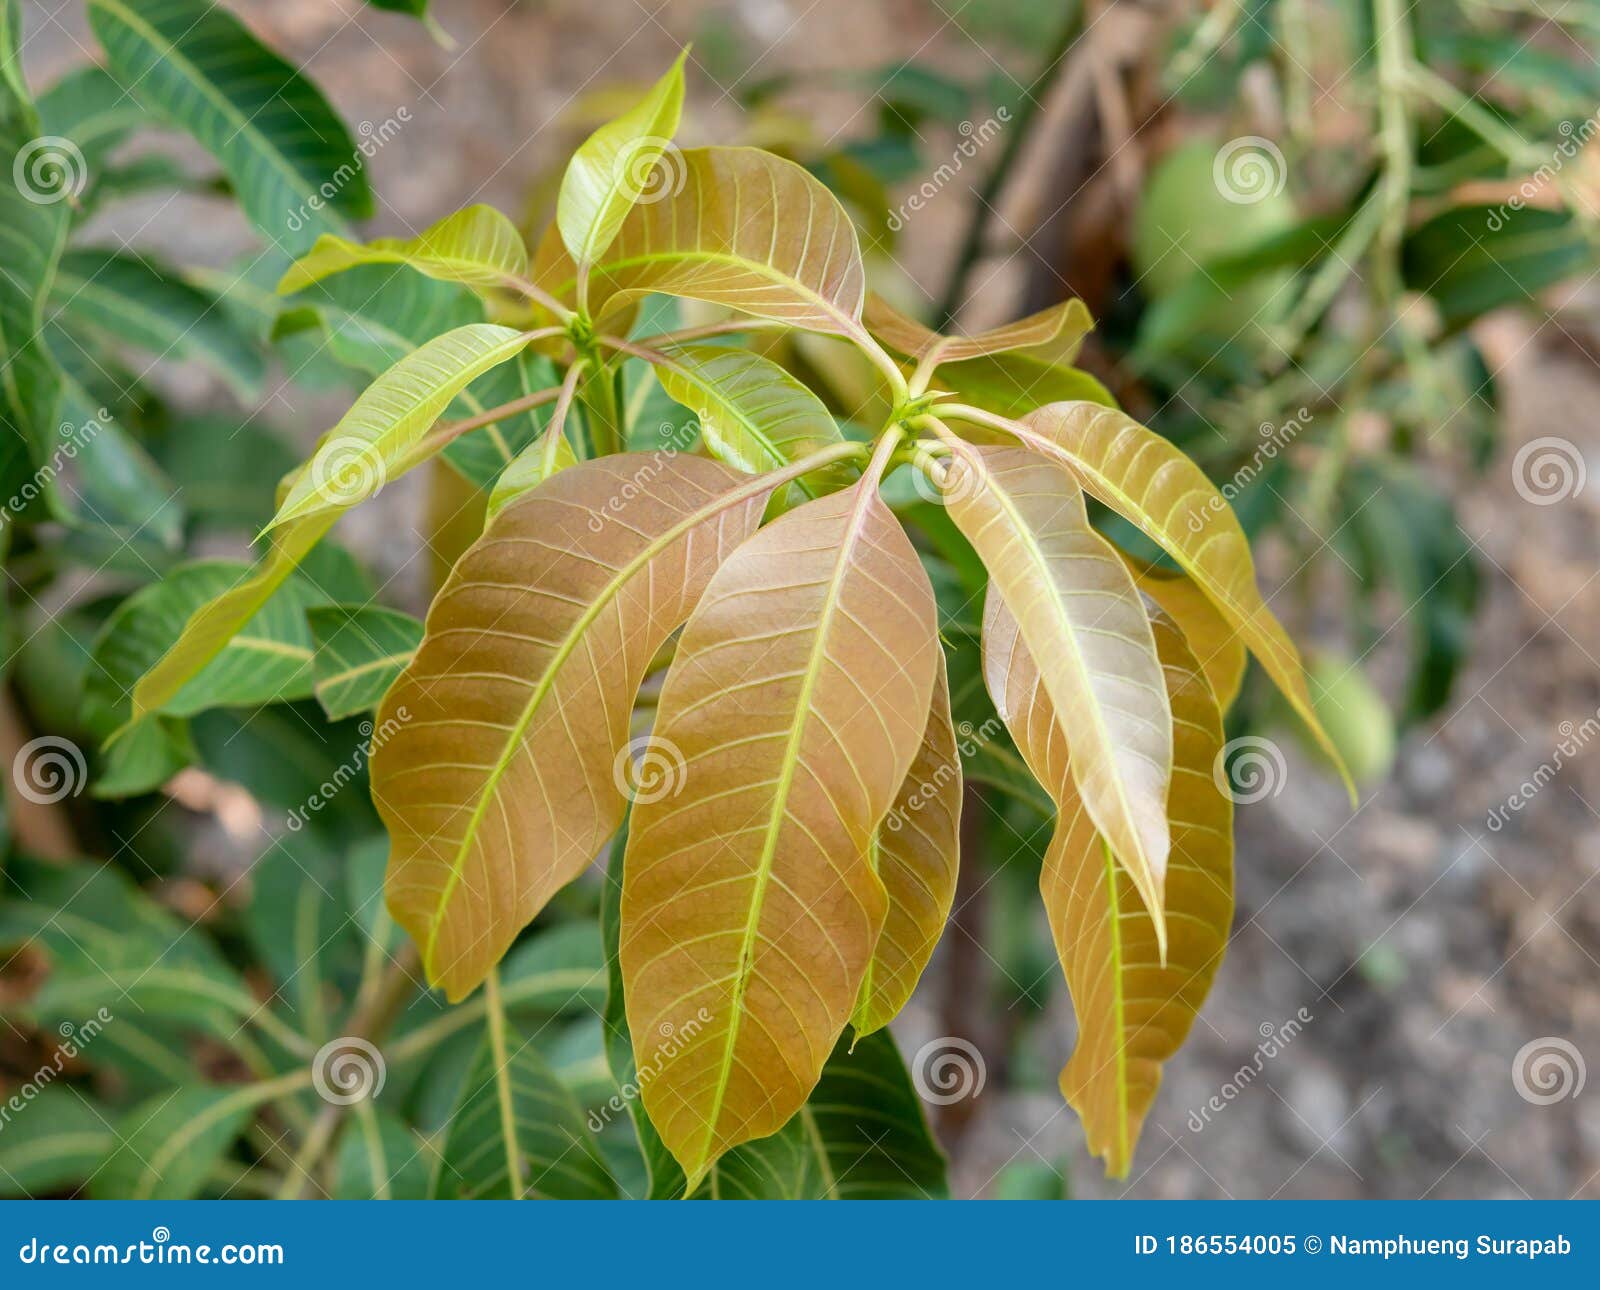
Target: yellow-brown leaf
pixel 1214 643
pixel 502 777
pixel 794 709
pixel 1133 1010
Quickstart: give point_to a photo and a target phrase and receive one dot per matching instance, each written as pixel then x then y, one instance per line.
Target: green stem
pixel 502 1081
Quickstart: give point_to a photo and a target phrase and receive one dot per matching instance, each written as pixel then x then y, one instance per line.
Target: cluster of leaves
pixel 1431 164
pixel 681 534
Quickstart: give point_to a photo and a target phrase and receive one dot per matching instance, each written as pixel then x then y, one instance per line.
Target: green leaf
pixel 360 651
pixel 611 170
pixel 139 302
pixel 753 414
pixel 226 469
pixel 375 438
pixel 294 166
pixel 168 1146
pixel 1014 384
pixel 1472 259
pixel 477 246
pixel 55 1141
pixel 531 467
pixel 381 1159
pixel 559 1158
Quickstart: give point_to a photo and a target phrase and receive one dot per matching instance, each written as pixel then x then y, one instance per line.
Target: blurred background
pixel 1344 254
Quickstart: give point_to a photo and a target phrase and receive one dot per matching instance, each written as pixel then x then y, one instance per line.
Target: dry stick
pixel 989 192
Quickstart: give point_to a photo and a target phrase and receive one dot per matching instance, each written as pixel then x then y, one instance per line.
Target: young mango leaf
pixel 168 1146
pixel 478 247
pixel 1052 335
pixel 1134 1010
pixel 612 169
pixel 786 742
pixel 1015 384
pixel 1079 612
pixel 753 414
pixel 209 628
pixel 381 1159
pixel 58 1139
pixel 142 303
pixel 194 65
pixel 542 458
pixel 916 853
pixel 557 1156
pixel 376 438
pixel 360 649
pixel 1146 480
pixel 743 229
pixel 268 660
pixel 1215 645
pixel 506 773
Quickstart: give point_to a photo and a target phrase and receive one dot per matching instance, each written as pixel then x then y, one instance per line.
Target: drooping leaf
pixel 745 229
pixel 753 414
pixel 557 1154
pixel 1133 1010
pixel 915 853
pixel 1079 612
pixel 193 64
pixel 477 246
pixel 1052 335
pixel 360 649
pixel 531 467
pixel 136 301
pixel 504 778
pixel 376 438
pixel 611 170
pixel 1214 643
pixel 1144 478
pixel 57 1139
pixel 791 715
